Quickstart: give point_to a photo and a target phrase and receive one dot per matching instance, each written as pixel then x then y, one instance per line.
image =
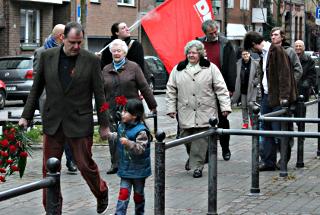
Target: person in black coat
pixel 309 71
pixel 135 53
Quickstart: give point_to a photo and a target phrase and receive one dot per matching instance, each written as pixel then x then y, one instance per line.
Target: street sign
pixel 318 16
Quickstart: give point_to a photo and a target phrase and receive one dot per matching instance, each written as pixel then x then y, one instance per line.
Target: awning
pixel 235 31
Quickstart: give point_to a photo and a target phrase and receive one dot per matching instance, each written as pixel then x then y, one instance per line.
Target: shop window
pixel 29 28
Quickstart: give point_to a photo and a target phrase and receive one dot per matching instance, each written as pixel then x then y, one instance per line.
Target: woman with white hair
pixel 193 89
pixel 123 79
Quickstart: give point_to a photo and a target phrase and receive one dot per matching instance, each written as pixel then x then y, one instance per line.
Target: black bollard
pixel 212 170
pixel 255 153
pixel 301 112
pixel 53 203
pixel 284 144
pixel 159 186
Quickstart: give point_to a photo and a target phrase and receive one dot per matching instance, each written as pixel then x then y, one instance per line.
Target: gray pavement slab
pixel 300 194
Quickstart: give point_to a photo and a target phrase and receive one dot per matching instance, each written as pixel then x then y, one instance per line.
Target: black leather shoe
pixel 72 168
pixel 197 173
pixel 102 204
pixel 112 170
pixel 264 167
pixel 187 167
pixel 226 155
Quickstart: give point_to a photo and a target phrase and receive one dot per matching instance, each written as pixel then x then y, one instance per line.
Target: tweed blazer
pixel 72 107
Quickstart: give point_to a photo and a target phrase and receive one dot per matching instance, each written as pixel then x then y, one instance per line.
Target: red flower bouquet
pixel 121 100
pixel 104 107
pixel 14 150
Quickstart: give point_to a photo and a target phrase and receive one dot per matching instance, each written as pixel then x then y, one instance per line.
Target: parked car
pixel 158 73
pixel 3 94
pixel 17 73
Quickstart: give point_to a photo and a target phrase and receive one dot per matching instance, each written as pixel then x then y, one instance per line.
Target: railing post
pixel 301 112
pixel 155 122
pixel 53 203
pixel 284 144
pixel 159 186
pixel 212 170
pixel 255 153
pixel 318 151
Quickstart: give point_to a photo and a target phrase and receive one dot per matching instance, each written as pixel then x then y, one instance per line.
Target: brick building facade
pixel 25 24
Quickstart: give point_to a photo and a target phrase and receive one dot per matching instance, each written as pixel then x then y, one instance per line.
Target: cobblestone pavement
pixel 298 194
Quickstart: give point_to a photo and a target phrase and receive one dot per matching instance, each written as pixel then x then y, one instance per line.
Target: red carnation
pixel 3 170
pixel 2 178
pixel 4 154
pixel 0 162
pixel 11 136
pixel 121 100
pixel 12 148
pixel 14 168
pixel 5 143
pixel 9 161
pixel 13 130
pixel 105 106
pixel 23 154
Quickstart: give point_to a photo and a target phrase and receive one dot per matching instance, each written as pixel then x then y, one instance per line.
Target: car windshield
pixel 20 63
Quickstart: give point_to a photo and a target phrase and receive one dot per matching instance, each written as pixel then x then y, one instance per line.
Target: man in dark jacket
pixel 70 76
pixel 220 52
pixel 55 39
pixel 278 85
pixel 309 71
pixel 135 53
pixel 278 37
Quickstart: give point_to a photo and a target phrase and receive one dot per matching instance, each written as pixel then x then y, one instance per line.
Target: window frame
pixel 230 4
pixel 126 4
pixel 27 44
pixel 244 4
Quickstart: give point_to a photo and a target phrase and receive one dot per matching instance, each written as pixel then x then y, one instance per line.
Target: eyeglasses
pixel 115 51
pixel 192 53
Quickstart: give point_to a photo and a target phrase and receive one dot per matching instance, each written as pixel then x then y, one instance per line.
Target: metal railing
pixel 51 182
pixel 37 120
pixel 212 133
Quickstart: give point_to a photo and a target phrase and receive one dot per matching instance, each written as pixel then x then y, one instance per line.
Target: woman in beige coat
pixel 192 90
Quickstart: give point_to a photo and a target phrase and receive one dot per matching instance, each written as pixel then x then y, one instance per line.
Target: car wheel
pixel 2 99
pixel 151 85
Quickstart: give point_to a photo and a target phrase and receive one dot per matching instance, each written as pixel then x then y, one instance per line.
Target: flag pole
pixel 131 28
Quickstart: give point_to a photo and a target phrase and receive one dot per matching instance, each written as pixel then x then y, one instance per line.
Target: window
pixel 230 3
pixel 244 4
pixel 29 27
pixel 126 2
pixel 95 1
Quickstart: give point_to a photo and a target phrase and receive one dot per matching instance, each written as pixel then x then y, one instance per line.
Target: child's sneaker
pixel 245 126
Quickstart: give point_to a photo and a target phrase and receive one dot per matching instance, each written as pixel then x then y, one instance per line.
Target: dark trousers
pixel 268 147
pixel 53 146
pixel 68 153
pixel 113 149
pixel 225 124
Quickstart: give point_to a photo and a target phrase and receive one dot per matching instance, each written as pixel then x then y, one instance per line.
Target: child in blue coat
pixel 134 150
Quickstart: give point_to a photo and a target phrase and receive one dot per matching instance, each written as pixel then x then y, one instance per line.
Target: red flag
pixel 174 23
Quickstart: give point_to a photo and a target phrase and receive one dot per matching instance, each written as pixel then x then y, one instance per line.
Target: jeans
pixel 126 185
pixel 268 147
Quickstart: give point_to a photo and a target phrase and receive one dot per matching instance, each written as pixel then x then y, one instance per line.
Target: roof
pixel 235 31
